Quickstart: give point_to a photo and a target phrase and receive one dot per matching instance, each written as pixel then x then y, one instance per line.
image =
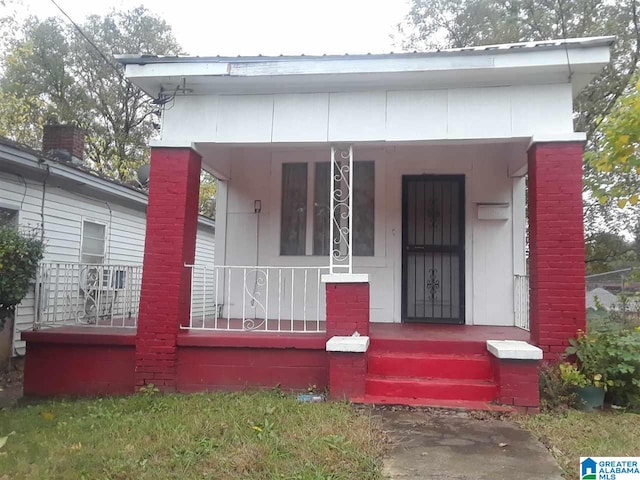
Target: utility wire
pixel 161 101
pixel 86 37
pixel 563 26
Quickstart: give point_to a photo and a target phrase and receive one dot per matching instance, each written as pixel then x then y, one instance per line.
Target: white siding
pixel 515 111
pixel 64 212
pixel 202 295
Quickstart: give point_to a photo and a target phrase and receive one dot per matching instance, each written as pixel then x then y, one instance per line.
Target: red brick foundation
pixel 170 243
pixel 81 362
pixel 347 375
pixel 236 361
pixel 518 383
pixel 347 309
pixel 86 364
pixel 556 245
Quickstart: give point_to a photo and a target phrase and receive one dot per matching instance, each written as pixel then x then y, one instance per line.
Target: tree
pixel 460 23
pixel 54 73
pixel 607 251
pixel 19 257
pixel 208 190
pixel 616 165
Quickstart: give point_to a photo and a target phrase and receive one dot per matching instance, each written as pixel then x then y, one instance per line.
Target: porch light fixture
pixel 257 206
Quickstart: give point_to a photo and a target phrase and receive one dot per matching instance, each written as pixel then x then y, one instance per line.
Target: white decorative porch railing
pixel 521 301
pixel 252 298
pixel 341 208
pixel 87 294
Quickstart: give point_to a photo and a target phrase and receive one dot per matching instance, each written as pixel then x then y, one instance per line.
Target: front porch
pixel 435 287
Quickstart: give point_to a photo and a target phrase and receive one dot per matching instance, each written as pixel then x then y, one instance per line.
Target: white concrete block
pixel 352 344
pixel 513 350
pixel 345 278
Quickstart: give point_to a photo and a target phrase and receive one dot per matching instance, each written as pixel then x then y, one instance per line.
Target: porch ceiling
pixel 217 158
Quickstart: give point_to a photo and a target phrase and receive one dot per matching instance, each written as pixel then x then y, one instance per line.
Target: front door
pixel 433 248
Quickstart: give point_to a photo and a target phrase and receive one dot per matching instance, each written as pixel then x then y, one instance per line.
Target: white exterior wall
pixel 64 212
pixel 380 115
pixel 489 258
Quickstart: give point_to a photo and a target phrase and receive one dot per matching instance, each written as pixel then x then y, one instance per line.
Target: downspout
pixel 44 191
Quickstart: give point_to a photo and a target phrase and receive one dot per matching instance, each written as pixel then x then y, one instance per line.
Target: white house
pixel 85 220
pixel 382 195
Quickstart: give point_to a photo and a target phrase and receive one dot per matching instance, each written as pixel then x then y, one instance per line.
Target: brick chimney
pixel 64 142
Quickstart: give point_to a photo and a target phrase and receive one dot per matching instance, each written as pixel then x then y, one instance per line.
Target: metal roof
pixel 569 43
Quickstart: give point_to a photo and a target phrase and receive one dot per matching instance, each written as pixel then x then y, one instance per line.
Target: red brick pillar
pixel 347 313
pixel 518 383
pixel 172 222
pixel 347 308
pixel 556 245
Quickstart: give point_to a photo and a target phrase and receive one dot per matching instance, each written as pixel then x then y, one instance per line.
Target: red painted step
pixel 438 389
pixel 432 402
pixel 429 365
pixel 474 347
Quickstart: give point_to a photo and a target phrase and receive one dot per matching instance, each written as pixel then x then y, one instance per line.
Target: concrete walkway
pixel 445 444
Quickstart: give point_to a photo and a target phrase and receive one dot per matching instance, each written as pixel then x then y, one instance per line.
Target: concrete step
pixel 435 346
pixel 430 365
pixel 437 389
pixel 434 402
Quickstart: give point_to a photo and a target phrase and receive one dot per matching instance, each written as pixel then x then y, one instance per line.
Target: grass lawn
pixel 262 435
pixel 575 434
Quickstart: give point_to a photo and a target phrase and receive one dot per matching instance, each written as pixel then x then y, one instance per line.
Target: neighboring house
pixel 86 220
pixel 379 195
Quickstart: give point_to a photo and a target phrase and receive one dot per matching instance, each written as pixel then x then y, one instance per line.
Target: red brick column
pixel 347 308
pixel 172 222
pixel 556 245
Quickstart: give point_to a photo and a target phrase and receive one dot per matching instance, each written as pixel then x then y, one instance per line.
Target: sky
pixel 252 27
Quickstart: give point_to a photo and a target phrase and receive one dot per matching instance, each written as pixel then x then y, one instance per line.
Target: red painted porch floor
pixel 434 365
pixel 463 333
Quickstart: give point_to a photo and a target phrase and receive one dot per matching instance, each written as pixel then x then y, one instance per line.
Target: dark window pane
pixel 321 204
pixel 363 208
pixel 8 217
pixel 293 225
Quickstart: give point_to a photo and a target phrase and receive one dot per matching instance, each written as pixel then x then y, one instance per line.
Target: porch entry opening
pixel 433 248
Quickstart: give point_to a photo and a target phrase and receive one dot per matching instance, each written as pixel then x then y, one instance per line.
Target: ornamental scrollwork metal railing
pixel 341 210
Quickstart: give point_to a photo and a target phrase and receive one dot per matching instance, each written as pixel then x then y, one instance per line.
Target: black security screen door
pixel 433 248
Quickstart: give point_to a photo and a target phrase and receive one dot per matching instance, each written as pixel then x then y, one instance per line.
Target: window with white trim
pixel 92 249
pixel 293 225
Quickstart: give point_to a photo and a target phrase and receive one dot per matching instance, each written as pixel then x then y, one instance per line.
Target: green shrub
pixel 19 256
pixel 555 392
pixel 615 358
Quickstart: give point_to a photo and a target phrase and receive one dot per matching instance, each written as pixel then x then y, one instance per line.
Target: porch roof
pixel 554 61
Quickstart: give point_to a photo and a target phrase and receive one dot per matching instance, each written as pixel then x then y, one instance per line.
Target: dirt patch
pixel 11 383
